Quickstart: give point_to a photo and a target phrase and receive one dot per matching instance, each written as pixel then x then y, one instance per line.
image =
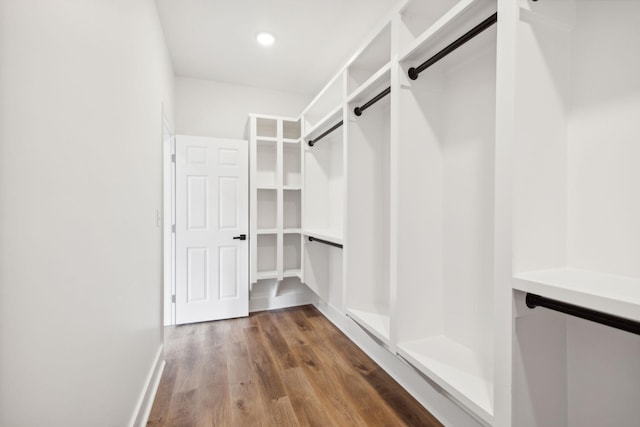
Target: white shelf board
pixel 443 24
pixel 326 122
pixel 267 231
pixel 377 324
pixel 329 235
pixel 269 139
pixel 379 78
pixel 261 275
pixel 291 141
pixel 292 231
pixel 266 187
pixel 608 293
pixel 292 187
pixel 456 369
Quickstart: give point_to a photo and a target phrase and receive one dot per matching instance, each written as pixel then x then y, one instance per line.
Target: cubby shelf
pixel 276 206
pixel 617 295
pixel 456 369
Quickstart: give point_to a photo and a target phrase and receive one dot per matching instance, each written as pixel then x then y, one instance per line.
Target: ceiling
pixel 215 39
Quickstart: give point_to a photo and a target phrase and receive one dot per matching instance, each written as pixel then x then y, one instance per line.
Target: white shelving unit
pixel 275 220
pixel 576 227
pixel 509 166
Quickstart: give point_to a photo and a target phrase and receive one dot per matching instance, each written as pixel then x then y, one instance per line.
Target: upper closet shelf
pixel 327 121
pixel 616 295
pixel 379 79
pixel 465 15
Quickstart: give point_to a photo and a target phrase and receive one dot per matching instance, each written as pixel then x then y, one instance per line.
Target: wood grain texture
pixel 289 367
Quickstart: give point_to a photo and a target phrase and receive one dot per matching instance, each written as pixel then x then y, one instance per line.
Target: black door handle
pixel 240 237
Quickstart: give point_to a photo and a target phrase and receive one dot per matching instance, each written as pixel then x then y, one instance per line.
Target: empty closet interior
pixel 403 189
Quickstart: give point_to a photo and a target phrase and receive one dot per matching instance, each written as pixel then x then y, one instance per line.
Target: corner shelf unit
pixel 276 209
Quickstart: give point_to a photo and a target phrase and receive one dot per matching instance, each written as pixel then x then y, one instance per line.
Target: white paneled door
pixel 212 221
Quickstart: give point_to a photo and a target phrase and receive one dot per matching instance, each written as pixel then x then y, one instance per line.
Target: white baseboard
pixel 262 303
pixel 429 395
pixel 145 402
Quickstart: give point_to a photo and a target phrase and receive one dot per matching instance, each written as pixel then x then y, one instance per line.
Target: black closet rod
pixel 534 301
pixel 313 141
pixel 326 242
pixel 358 110
pixel 415 72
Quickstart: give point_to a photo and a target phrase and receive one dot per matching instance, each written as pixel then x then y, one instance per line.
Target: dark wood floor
pixel 288 367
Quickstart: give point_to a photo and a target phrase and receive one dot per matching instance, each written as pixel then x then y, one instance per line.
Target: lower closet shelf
pixel 377 324
pixel 456 369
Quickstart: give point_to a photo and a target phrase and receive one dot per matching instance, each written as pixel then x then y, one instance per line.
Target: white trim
pixel 434 399
pixel 148 395
pixel 267 302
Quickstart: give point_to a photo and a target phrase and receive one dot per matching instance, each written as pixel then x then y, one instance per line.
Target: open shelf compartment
pixel 267 250
pixel 576 233
pixel 323 181
pixel 291 205
pixel 266 164
pixel 370 60
pixel 291 165
pixel 330 98
pixel 445 208
pixel 267 209
pixel 367 278
pixel 266 127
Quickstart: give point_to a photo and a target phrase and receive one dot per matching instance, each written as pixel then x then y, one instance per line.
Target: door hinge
pixel 173 228
pixel 173 298
pixel 173 158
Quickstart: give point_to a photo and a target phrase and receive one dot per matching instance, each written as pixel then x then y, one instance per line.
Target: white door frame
pixel 168 236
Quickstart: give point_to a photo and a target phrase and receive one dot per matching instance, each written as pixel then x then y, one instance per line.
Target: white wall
pixel 209 108
pixel 81 87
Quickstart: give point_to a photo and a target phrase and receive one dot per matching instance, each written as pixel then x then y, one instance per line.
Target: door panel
pixel 212 280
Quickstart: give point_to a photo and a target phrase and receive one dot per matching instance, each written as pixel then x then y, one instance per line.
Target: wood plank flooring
pixel 288 367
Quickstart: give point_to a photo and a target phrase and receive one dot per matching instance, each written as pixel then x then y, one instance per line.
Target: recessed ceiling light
pixel 265 39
